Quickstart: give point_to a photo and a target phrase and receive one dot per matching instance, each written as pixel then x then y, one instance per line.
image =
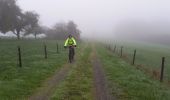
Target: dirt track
pixel 49 86
pixel 101 90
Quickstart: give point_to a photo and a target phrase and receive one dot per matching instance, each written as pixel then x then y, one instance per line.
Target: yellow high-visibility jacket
pixel 70 41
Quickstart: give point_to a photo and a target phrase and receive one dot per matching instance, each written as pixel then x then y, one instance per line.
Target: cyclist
pixel 71 43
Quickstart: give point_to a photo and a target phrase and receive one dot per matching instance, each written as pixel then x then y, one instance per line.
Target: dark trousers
pixel 71 52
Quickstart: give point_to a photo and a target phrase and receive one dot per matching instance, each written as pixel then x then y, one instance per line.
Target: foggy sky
pixel 97 16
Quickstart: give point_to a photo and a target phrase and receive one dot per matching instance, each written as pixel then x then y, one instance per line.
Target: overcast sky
pixel 98 16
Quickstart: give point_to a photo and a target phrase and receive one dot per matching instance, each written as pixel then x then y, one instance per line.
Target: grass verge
pixel 128 83
pixel 148 56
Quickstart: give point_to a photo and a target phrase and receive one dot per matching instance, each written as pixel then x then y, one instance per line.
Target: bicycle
pixel 71 53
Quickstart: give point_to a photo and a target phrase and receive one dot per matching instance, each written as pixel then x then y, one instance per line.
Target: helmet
pixel 70 36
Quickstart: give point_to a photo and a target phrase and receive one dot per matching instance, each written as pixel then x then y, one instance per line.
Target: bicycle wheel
pixel 71 54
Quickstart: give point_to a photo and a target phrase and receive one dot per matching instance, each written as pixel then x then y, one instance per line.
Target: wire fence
pixel 150 60
pixel 25 55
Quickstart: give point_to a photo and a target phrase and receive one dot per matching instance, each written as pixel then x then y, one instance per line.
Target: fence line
pixel 19 54
pixel 161 76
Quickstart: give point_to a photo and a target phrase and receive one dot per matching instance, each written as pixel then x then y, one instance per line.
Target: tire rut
pixel 101 90
pixel 50 85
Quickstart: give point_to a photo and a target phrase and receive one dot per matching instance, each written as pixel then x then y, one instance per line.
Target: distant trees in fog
pixel 62 30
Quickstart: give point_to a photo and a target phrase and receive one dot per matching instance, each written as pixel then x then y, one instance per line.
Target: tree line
pixel 13 19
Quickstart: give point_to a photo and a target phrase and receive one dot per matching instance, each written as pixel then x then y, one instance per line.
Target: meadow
pixel 19 82
pixel 148 55
pixel 128 83
pixel 125 81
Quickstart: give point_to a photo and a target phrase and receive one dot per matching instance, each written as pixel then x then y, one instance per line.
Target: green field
pixel 124 80
pixel 16 82
pixel 128 83
pixel 148 55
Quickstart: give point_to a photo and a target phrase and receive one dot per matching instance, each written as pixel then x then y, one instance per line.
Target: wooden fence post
pixel 121 51
pixel 57 48
pixel 45 51
pixel 134 57
pixel 19 57
pixel 114 49
pixel 162 69
pixel 109 47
